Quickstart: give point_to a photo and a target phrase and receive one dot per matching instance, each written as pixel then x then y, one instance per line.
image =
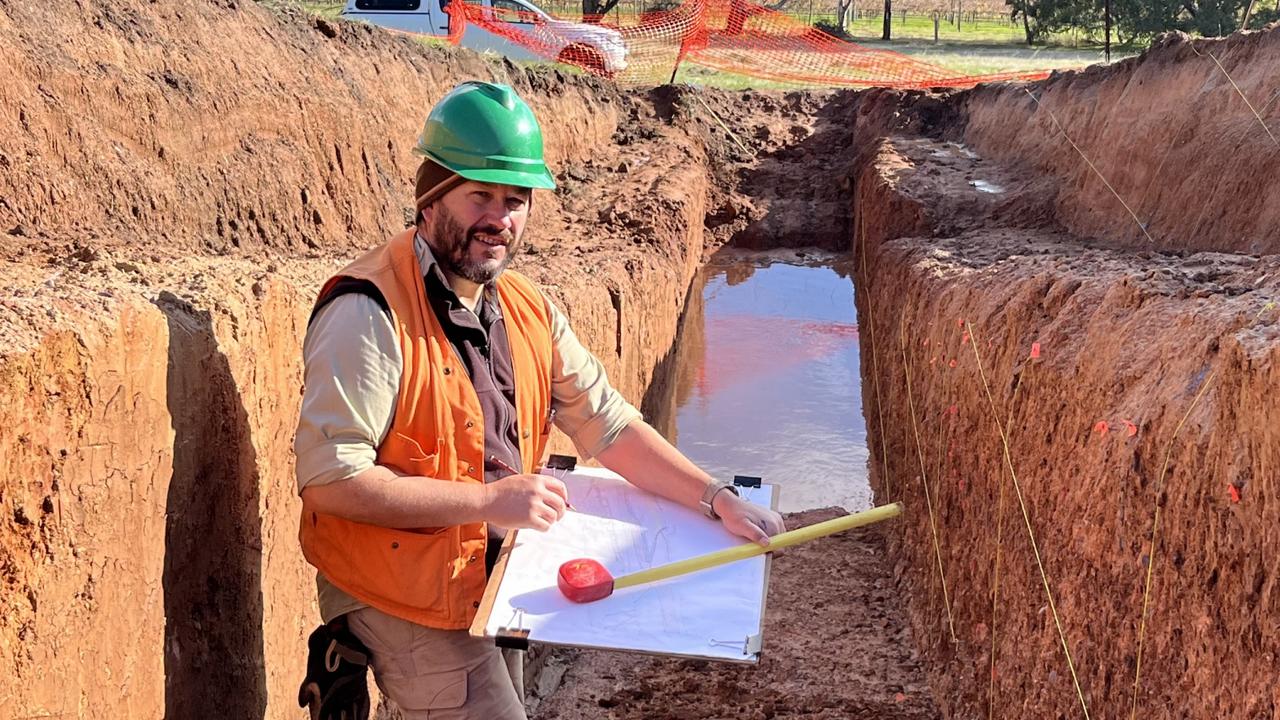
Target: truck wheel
pixel 585 57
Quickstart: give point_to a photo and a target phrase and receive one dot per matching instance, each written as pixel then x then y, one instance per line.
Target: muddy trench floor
pixel 836 646
pixel 837 643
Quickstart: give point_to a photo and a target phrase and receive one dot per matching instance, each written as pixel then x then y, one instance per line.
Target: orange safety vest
pixel 433 576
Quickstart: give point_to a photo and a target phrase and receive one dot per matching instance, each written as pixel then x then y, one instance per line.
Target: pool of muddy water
pixel 768 378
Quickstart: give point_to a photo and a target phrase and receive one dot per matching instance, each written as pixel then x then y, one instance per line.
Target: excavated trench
pixel 766 346
pixel 1082 271
pixel 1129 364
pixel 176 182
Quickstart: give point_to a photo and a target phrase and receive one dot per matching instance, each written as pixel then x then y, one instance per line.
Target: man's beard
pixel 452 244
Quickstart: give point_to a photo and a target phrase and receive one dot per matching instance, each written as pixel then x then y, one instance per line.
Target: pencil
pixel 496 461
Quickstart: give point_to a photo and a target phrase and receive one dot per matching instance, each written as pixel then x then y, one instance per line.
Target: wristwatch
pixel 709 495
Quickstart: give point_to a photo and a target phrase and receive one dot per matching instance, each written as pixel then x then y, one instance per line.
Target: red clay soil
pixel 1152 390
pixel 779 160
pixel 175 182
pixel 836 646
pixel 1178 133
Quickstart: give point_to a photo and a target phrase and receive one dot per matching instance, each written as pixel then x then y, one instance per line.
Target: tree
pixel 1135 19
pixel 1026 9
pixel 1248 10
pixel 594 10
pixel 888 20
pixel 1265 16
pixel 1214 17
pixel 1145 18
pixel 842 13
pixel 1041 18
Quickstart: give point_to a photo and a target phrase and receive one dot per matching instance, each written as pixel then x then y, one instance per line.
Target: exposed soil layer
pixel 777 160
pixel 836 647
pixel 182 109
pixel 1177 132
pixel 176 180
pixel 174 185
pixel 1150 389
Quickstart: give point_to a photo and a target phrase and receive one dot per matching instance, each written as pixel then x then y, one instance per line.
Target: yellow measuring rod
pixel 587 580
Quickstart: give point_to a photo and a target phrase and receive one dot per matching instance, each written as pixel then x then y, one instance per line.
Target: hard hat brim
pixel 539 180
pixel 502 170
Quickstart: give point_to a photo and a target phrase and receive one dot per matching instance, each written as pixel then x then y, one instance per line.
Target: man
pixel 432 378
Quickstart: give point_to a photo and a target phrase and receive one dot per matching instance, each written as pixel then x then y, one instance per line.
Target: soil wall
pixel 175 182
pixel 1129 378
pixel 1177 132
pixel 222 127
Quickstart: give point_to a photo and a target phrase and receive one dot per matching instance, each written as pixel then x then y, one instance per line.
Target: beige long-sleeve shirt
pixel 352 374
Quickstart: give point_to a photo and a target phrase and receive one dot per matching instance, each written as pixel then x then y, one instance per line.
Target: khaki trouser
pixel 440 674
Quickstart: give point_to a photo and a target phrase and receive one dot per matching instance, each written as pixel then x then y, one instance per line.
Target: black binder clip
pixel 746 481
pixel 561 462
pixel 514 636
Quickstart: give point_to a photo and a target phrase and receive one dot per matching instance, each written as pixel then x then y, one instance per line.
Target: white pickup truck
pixel 591 46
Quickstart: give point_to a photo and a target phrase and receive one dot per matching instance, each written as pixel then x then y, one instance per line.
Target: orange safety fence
pixel 733 36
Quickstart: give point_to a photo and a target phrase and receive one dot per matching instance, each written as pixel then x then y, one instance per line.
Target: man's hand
pixel 525 501
pixel 746 519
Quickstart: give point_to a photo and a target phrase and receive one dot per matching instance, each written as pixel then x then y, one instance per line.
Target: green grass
pixel 920 27
pixel 985 32
pixel 698 75
pixel 325 9
pixel 974 59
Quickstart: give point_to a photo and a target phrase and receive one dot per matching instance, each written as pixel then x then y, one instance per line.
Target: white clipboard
pixel 713 614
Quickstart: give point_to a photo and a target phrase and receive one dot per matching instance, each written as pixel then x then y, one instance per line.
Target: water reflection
pixel 765 381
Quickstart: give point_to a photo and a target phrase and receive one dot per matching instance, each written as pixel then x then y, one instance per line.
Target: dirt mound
pixel 1177 132
pixel 1147 390
pixel 228 129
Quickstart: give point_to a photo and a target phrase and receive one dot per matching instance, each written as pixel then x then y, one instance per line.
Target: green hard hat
pixel 485 132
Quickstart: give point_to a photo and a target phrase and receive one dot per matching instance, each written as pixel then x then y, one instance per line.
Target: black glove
pixel 335 687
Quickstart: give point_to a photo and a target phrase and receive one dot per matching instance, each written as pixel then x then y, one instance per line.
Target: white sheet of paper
pixel 710 613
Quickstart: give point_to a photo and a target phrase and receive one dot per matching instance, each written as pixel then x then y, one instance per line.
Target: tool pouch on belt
pixel 335 687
